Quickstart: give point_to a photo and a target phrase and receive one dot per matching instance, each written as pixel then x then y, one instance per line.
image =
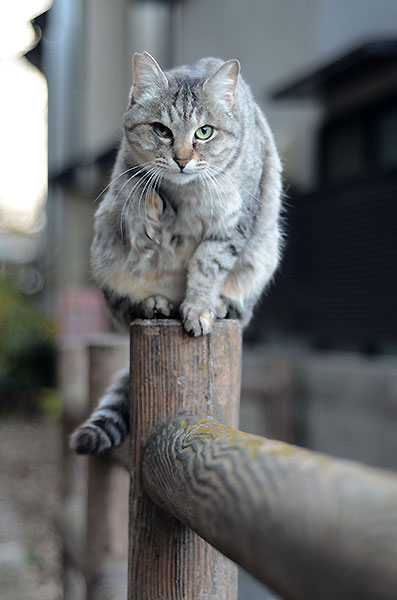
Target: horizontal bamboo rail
pixel 309 526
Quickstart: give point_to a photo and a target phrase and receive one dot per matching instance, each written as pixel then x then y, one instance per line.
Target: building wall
pixel 63 63
pixel 89 46
pixel 107 72
pixel 343 404
pixel 348 406
pixel 342 24
pixel 70 231
pixel 274 41
pixel 277 42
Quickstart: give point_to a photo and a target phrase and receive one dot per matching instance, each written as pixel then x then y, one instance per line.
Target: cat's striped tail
pixel 109 424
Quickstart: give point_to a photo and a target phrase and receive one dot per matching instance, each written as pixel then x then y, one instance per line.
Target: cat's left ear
pixel 222 84
pixel 147 75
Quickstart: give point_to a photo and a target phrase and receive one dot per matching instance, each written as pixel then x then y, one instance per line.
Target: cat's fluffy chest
pixel 161 270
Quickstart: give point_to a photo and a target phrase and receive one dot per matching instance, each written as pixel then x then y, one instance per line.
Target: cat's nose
pixel 182 162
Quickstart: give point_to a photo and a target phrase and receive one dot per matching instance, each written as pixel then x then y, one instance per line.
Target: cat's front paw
pixel 197 317
pixel 156 307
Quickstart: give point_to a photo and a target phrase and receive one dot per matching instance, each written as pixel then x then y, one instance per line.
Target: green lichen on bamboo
pixel 227 438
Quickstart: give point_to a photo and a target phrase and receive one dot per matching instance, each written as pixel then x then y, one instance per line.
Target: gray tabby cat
pixel 190 224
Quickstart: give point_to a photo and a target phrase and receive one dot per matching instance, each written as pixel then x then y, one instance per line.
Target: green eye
pixel 204 132
pixel 162 130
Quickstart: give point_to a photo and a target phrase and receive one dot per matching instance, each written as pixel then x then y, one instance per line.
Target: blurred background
pixel 321 353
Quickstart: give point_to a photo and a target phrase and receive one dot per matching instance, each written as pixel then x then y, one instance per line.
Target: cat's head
pixel 183 122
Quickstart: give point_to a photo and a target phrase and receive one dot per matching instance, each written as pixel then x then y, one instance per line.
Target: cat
pixel 190 224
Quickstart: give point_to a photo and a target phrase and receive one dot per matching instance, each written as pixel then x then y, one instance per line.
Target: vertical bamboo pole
pixel 171 374
pixel 107 499
pixel 72 381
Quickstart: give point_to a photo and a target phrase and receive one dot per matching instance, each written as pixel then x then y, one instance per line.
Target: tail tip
pixel 85 440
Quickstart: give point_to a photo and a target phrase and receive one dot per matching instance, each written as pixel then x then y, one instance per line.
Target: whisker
pixel 149 187
pixel 220 192
pixel 145 188
pixel 207 180
pixel 217 189
pixel 144 169
pixel 127 201
pixel 227 178
pixel 118 176
pixel 202 196
pixel 158 181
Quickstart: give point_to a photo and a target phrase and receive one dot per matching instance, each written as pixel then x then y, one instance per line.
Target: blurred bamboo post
pixel 108 484
pixel 172 373
pixel 70 517
pixel 308 525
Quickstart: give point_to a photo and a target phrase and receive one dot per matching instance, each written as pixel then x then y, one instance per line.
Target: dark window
pixel 359 144
pixel 344 153
pixel 386 133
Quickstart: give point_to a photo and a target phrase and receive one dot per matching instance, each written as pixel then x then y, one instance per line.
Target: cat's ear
pixel 222 84
pixel 147 75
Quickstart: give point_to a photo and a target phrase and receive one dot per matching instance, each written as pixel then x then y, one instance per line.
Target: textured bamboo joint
pixel 309 526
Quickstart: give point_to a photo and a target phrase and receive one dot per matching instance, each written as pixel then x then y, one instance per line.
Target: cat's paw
pixel 156 307
pixel 89 439
pixel 197 317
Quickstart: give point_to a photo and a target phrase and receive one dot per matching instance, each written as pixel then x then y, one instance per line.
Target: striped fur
pixel 109 424
pixel 189 227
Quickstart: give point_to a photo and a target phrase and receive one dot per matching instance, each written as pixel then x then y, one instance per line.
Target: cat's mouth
pixel 180 177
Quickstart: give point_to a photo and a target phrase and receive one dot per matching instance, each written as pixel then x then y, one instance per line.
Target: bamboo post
pixel 173 373
pixel 108 484
pixel 70 516
pixel 72 366
pixel 309 526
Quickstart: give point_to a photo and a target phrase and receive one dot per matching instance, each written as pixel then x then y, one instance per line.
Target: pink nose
pixel 182 162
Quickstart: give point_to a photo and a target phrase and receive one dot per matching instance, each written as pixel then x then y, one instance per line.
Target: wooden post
pixel 71 515
pixel 107 501
pixel 173 373
pixel 309 526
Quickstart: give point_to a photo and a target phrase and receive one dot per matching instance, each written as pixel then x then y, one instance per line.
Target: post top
pixel 219 323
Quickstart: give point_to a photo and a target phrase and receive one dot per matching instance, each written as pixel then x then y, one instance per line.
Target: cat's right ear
pixel 147 76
